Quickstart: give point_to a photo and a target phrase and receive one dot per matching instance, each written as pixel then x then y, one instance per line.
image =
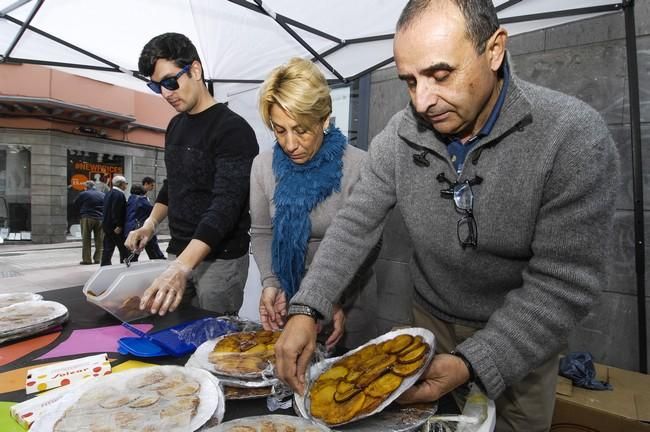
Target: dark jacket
pixel 114 210
pixel 138 208
pixel 90 204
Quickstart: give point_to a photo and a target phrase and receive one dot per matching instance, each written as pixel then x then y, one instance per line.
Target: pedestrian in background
pixel 138 209
pixel 114 220
pixel 149 184
pixel 90 203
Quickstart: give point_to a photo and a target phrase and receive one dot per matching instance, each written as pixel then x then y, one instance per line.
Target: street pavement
pixel 36 268
pixel 26 267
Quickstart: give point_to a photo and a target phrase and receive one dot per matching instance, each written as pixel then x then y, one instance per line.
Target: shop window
pixel 15 192
pixel 84 166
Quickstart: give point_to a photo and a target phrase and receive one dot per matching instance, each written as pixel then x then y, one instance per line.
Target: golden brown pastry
pixel 358 383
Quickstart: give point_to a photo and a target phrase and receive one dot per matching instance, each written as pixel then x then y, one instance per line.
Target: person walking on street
pixel 138 209
pixel 91 205
pixel 114 220
pixel 149 184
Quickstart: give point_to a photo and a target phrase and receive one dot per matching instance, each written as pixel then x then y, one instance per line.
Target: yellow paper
pixel 131 364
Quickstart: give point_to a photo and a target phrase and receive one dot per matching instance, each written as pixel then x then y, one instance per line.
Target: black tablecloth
pixel 87 315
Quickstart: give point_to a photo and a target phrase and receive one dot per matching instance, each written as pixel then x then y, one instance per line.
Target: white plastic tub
pixel 118 288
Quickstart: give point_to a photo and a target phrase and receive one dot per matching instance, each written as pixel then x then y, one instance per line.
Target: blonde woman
pixel 296 190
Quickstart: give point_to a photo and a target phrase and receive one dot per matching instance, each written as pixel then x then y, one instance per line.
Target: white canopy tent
pixel 240 41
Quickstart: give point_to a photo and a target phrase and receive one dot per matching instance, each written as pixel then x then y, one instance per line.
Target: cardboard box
pixel 64 373
pixel 25 413
pixel 626 408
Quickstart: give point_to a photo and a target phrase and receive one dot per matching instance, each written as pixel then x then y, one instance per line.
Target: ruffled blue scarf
pixel 299 189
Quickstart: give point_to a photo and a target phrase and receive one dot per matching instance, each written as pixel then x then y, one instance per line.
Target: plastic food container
pixel 118 289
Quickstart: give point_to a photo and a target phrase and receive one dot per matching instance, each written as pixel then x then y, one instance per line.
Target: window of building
pixel 15 192
pixel 84 166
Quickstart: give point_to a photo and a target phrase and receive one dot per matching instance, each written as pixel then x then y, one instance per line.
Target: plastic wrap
pixel 101 401
pixel 206 329
pixel 9 299
pixel 29 318
pixel 246 355
pixel 406 381
pixel 579 368
pixel 269 422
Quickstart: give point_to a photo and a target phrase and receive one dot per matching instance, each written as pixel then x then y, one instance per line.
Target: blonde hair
pixel 300 89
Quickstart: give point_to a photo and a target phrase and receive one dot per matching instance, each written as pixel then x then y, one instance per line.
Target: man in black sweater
pixel 208 153
pixel 114 219
pixel 91 212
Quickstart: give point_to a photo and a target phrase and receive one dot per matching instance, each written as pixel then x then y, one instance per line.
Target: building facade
pixel 58 130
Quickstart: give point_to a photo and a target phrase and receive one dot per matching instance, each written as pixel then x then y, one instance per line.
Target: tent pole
pixel 13 7
pixel 278 18
pixel 637 178
pixel 506 5
pixel 20 33
pixel 562 13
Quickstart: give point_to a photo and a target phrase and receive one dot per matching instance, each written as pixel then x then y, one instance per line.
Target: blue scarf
pixel 299 189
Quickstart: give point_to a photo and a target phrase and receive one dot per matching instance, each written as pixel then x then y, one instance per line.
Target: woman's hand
pixel 273 308
pixel 338 322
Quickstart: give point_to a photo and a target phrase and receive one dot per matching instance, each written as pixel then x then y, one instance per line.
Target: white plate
pixel 300 424
pixel 211 398
pixel 20 317
pixel 9 299
pixel 303 404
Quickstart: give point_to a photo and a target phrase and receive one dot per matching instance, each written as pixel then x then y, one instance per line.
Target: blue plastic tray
pixel 167 342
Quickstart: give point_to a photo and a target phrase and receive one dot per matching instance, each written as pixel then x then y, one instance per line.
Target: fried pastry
pixel 358 383
pixel 147 379
pixel 407 369
pixel 116 401
pixel 397 344
pixel 245 353
pixel 145 400
pixel 152 401
pixel 414 355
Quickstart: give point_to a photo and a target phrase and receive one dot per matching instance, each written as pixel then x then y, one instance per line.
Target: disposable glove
pixel 138 239
pixel 166 292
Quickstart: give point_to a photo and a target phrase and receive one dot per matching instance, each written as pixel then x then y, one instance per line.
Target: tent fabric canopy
pixel 239 41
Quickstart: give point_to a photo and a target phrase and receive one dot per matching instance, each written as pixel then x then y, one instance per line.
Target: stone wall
pixel 49 181
pixel 586 59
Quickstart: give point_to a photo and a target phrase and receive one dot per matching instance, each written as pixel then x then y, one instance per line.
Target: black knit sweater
pixel 208 157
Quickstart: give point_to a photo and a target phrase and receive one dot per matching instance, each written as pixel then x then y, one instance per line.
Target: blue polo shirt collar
pixel 457 150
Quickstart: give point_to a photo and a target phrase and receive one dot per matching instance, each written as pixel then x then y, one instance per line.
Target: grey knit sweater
pixel 360 297
pixel 544 213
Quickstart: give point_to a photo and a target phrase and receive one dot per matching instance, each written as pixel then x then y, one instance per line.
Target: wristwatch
pixel 298 309
pixel 472 374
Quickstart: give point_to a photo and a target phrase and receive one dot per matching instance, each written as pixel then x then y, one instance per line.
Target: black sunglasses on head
pixel 170 83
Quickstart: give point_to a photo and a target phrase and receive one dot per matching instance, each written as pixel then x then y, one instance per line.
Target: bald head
pixel 480 17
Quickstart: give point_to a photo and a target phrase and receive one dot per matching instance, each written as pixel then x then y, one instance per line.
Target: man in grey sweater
pixel 507 191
